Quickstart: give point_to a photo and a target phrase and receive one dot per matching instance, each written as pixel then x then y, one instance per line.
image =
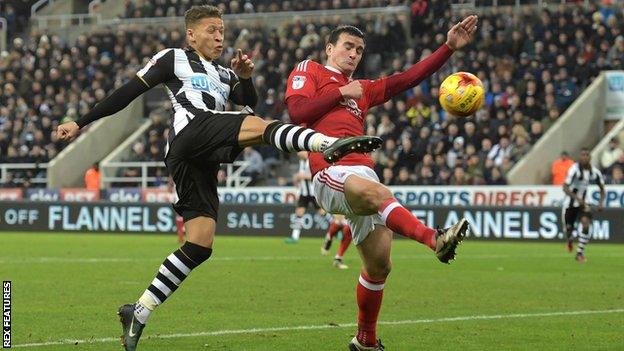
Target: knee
pixel 379 271
pixel 375 196
pixel 201 236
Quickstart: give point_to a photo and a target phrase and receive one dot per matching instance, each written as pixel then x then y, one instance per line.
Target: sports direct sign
pixel 525 196
pixel 509 196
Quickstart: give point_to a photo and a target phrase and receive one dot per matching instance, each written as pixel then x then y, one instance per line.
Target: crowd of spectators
pixel 533 63
pixel 172 8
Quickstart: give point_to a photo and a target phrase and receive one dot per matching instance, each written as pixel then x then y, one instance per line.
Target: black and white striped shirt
pixel 577 181
pixel 305 185
pixel 193 84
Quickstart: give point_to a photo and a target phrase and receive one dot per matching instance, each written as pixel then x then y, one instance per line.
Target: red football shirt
pixel 311 79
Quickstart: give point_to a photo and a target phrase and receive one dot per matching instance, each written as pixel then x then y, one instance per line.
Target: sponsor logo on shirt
pixel 298 82
pixel 352 106
pixel 202 83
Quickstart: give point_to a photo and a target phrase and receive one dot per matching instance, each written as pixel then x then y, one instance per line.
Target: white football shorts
pixel 328 189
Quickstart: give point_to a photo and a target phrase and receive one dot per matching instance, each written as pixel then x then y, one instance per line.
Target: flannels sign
pixel 489 223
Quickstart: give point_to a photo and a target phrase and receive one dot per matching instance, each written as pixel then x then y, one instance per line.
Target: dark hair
pixel 196 13
pixel 351 30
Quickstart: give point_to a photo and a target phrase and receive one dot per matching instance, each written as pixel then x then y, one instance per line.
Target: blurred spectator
pixel 500 151
pixel 404 177
pixel 618 163
pixel 255 166
pixel 387 176
pixel 496 177
pixel 520 148
pixel 92 177
pixel 553 116
pixel 611 154
pixel 426 176
pixel 459 177
pixel 559 168
pixel 616 176
pixel 443 177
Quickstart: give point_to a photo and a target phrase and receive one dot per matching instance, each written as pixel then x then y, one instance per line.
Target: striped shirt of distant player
pixel 578 180
pixel 305 185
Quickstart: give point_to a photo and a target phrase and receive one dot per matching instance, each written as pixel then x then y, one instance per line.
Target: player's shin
pixel 292 138
pixel 346 241
pixel 369 297
pixel 171 273
pixel 296 229
pixel 401 221
pixel 583 240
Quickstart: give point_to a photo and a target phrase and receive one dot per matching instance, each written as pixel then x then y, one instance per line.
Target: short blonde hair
pixel 196 13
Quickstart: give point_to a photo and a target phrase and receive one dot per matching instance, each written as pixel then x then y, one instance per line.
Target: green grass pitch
pixel 261 294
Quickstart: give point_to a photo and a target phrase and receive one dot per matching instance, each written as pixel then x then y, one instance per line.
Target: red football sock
pixel 180 226
pixel 403 222
pixel 346 240
pixel 369 296
pixel 333 229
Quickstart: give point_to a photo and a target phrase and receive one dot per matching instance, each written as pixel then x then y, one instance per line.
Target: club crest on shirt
pixel 298 82
pixel 223 74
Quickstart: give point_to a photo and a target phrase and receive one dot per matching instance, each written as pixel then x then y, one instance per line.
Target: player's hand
pixel 68 131
pixel 352 90
pixel 242 65
pixel 599 207
pixel 462 33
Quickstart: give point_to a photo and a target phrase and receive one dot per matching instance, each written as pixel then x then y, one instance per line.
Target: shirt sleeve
pixel 570 176
pixel 159 69
pixel 307 110
pixel 115 102
pixel 381 90
pixel 242 91
pixel 302 80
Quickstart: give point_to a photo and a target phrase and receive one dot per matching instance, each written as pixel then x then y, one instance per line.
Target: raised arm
pixel 115 102
pixel 158 70
pixel 242 91
pixel 460 35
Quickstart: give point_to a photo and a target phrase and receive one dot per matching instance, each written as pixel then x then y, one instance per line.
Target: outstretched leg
pixel 368 197
pixel 291 138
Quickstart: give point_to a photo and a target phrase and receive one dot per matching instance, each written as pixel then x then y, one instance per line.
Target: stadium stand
pixel 172 8
pixel 534 72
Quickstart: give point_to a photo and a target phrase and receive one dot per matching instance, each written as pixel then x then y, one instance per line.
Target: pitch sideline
pixel 327 326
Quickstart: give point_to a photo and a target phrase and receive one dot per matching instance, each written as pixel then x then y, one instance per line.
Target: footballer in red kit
pixel 346 118
pixel 327 99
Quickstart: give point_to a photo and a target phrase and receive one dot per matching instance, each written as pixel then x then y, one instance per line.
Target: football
pixel 461 94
